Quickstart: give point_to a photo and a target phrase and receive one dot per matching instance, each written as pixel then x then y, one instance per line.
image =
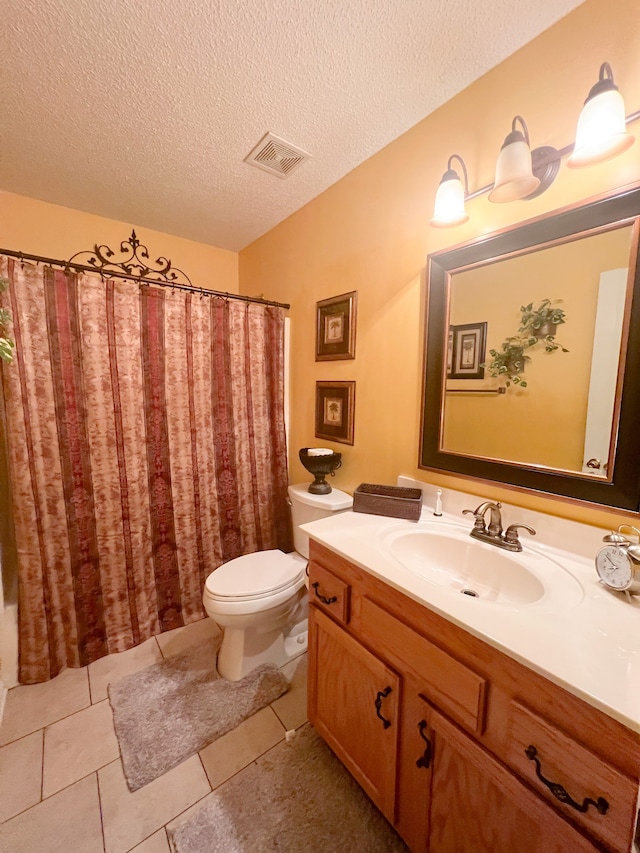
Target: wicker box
pixel 395 501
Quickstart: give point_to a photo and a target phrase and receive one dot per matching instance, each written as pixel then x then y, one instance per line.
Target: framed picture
pixel 467 344
pixel 334 411
pixel 336 327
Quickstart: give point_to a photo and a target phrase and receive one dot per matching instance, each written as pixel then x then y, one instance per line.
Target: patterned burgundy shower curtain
pixel 146 445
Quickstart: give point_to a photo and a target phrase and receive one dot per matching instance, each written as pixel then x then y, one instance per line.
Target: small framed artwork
pixel 336 327
pixel 467 351
pixel 335 403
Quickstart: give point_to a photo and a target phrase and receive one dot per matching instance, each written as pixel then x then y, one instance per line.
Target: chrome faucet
pixel 493 533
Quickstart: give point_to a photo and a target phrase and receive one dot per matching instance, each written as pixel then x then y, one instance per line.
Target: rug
pixel 171 710
pixel 296 798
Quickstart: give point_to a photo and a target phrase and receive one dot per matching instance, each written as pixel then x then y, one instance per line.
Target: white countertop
pixel 591 648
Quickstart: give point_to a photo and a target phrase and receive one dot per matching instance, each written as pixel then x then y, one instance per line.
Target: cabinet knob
pixel 382 694
pixel 425 758
pixel 560 793
pixel 323 598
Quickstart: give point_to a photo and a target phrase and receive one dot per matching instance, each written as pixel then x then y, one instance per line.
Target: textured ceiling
pixel 144 111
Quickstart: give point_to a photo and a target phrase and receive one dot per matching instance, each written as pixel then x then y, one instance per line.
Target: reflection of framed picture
pixel 336 327
pixel 467 344
pixel 334 411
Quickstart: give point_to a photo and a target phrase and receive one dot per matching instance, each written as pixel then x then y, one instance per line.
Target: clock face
pixel 614 567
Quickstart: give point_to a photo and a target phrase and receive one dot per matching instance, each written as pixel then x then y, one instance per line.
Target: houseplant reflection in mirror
pixel 541 322
pixel 538 324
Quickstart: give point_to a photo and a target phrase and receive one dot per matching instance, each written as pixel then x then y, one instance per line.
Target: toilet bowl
pixel 260 599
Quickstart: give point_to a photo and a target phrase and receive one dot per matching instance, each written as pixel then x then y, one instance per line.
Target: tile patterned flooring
pixel 62 788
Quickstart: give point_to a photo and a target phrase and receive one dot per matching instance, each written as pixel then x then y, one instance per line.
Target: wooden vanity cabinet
pixel 355 697
pixel 434 724
pixel 493 810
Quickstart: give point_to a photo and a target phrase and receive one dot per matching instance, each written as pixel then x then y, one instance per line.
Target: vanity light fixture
pixel 449 207
pixel 514 170
pixel 601 132
pixel 524 174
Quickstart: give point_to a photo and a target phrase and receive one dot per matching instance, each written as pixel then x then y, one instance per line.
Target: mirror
pixel 532 367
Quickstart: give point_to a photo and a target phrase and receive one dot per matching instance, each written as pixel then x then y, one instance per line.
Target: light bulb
pixel 601 132
pixel 514 176
pixel 449 206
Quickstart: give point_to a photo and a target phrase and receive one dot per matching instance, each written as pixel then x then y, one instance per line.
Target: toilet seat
pixel 252 577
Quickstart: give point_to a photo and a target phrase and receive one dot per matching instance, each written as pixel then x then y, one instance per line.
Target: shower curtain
pixel 146 444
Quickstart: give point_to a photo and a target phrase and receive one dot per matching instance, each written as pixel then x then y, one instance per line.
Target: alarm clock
pixel 618 563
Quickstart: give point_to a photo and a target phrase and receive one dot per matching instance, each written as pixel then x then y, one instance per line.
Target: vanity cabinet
pixel 493 810
pixel 441 729
pixel 356 701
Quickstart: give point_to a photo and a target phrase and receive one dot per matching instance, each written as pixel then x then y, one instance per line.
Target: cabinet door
pixel 353 703
pixel 478 806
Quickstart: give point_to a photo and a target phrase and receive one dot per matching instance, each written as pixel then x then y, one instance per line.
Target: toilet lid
pixel 255 575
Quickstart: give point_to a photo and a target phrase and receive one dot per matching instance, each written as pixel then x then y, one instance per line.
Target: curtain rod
pixel 56 262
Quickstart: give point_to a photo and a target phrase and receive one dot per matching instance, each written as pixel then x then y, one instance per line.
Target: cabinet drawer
pixel 449 684
pixel 329 592
pixel 550 760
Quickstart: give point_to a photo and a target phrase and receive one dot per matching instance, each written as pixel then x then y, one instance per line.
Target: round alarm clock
pixel 618 563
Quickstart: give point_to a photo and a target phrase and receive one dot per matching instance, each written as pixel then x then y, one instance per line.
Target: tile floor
pixel 62 789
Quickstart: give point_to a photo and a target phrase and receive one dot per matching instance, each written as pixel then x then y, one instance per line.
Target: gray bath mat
pixel 297 797
pixel 171 710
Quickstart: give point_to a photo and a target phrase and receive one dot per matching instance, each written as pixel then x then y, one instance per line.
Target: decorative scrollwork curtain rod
pixel 135 268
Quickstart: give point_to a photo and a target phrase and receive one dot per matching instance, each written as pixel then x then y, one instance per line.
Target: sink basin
pixel 447 556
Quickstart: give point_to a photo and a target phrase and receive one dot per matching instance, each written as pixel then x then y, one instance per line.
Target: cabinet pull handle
pixel 382 694
pixel 323 598
pixel 424 760
pixel 560 793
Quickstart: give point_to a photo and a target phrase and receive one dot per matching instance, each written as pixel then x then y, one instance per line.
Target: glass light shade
pixel 514 176
pixel 601 132
pixel 449 205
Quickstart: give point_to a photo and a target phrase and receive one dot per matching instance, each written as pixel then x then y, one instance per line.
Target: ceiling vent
pixel 276 156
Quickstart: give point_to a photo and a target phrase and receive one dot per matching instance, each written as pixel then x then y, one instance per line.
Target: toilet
pixel 260 599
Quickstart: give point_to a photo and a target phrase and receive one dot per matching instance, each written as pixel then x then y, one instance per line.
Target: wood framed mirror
pixel 532 356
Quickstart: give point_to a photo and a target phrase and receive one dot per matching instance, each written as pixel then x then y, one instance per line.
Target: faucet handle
pixel 511 534
pixel 478 524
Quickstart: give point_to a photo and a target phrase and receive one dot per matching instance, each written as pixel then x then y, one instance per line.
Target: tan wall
pixel 370 233
pixel 543 423
pixel 40 228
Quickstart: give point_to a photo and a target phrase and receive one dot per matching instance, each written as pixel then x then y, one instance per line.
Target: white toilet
pixel 260 599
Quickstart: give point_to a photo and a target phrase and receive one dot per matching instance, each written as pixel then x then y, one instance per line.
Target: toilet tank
pixel 306 507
